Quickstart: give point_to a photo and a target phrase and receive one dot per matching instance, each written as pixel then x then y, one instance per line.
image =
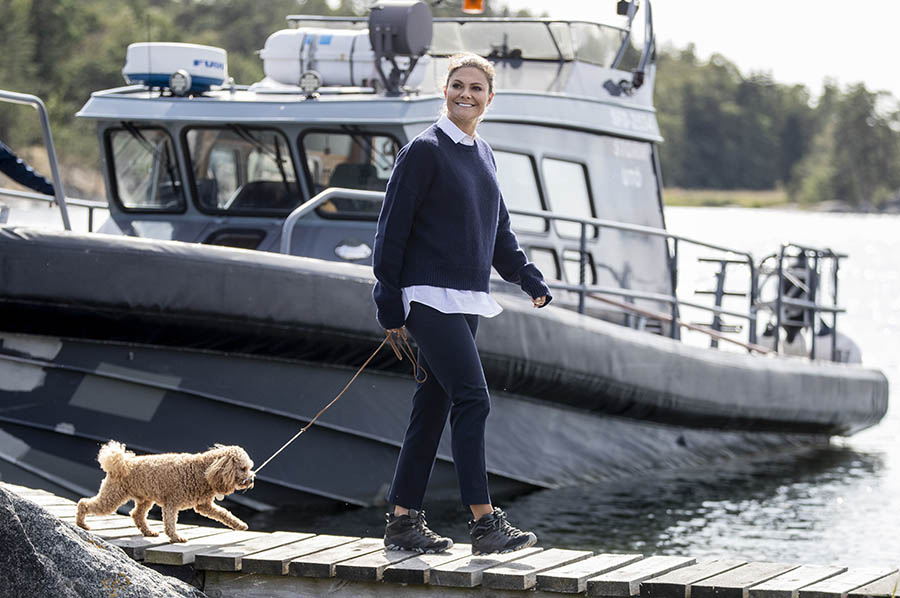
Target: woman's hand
pixel 540 301
pixel 401 332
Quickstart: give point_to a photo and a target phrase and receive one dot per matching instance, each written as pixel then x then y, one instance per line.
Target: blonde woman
pixel 442 227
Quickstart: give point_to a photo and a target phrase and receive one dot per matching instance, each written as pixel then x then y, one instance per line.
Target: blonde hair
pixel 464 59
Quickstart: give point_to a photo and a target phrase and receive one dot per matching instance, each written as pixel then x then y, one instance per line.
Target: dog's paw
pixel 177 538
pixel 83 525
pixel 150 533
pixel 241 526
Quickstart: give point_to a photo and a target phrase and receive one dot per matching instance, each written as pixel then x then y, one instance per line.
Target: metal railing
pixel 287 229
pixel 59 198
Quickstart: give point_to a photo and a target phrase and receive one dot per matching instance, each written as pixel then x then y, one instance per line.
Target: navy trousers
pixel 455 386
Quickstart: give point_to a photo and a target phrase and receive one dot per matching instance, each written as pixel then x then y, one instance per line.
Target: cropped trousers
pixel 455 386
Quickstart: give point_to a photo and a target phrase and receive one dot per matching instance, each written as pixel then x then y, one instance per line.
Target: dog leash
pixel 399 350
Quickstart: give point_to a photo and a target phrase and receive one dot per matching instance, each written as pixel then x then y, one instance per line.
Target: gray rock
pixel 41 555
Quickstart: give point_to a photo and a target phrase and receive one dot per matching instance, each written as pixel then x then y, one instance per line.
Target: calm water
pixel 833 505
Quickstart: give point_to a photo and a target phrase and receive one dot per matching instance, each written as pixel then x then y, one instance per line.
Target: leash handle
pixel 403 349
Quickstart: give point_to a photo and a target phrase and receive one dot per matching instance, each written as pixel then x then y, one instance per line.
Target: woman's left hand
pixel 540 301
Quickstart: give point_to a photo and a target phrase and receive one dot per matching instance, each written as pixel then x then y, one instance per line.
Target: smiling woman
pixel 443 225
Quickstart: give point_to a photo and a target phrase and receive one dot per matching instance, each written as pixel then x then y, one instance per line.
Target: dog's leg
pixel 139 515
pixel 108 499
pixel 170 520
pixel 221 515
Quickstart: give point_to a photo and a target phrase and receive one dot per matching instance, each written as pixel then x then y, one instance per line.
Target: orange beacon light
pixel 473 7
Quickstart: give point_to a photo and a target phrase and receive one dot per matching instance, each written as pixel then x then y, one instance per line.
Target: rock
pixel 41 555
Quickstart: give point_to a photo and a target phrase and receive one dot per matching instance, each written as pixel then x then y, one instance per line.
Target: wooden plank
pixel 736 583
pixel 68 511
pixel 573 578
pixel 841 585
pixel 277 560
pixel 417 570
pixel 788 584
pixel 370 567
pixel 521 574
pixel 105 522
pixel 229 558
pixel 322 564
pixel 677 584
pixel 183 553
pixel 467 573
pixel 626 581
pixel 886 586
pixel 136 546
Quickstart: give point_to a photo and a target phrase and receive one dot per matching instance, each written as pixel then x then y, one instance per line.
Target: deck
pixel 278 564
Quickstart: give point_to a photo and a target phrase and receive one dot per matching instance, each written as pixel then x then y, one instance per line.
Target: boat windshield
pixel 349 159
pixel 144 170
pixel 242 170
pixel 529 40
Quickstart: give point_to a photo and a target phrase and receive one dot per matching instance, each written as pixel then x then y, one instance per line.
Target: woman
pixel 442 226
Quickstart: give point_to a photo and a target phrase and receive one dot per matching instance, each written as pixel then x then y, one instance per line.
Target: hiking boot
pixel 410 532
pixel 493 533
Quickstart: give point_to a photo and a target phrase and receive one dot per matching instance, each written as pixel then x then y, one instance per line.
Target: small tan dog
pixel 174 481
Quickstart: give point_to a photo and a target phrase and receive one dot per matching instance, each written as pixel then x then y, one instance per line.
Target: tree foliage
pixel 723 129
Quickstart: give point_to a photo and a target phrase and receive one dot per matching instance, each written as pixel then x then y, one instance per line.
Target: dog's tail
pixel 114 459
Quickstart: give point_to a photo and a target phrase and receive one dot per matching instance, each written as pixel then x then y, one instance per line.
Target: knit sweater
pixel 444 223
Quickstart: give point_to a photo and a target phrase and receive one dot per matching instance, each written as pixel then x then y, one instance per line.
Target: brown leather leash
pixel 399 350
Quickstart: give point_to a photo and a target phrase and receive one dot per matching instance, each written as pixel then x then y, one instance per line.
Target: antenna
pixel 149 64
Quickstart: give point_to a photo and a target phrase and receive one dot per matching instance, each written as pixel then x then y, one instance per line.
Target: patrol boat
pixel 227 297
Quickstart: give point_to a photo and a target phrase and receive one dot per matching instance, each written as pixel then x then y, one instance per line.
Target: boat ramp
pixel 248 564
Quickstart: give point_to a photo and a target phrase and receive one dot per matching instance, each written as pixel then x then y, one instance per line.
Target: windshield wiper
pixel 147 145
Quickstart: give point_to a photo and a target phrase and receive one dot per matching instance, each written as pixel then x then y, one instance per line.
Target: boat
pixel 227 296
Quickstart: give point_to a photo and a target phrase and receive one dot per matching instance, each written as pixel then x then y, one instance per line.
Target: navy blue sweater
pixel 444 224
pixel 16 169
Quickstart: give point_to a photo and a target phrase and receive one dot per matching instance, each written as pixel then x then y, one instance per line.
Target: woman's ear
pixel 490 99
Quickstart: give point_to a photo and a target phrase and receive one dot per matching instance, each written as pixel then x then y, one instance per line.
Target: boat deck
pixel 249 564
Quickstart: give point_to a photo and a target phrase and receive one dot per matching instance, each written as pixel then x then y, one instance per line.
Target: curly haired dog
pixel 174 481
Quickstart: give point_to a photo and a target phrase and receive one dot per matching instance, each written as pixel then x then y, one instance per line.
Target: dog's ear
pixel 220 474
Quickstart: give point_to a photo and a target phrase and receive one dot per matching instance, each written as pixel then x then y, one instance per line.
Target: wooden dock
pixel 280 564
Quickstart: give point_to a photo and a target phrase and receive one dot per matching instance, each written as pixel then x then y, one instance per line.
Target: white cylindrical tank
pixel 153 63
pixel 343 57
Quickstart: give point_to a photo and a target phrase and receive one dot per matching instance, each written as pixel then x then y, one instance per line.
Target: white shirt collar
pixel 453 132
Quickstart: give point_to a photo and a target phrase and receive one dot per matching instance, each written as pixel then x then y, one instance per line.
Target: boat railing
pixel 304 209
pixel 811 260
pixel 59 198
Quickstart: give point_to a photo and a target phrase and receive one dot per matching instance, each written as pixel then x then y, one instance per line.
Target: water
pixel 837 504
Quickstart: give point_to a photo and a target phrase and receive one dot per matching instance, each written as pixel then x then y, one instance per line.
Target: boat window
pixel 572 264
pixel 545 260
pixel 145 175
pixel 568 193
pixel 519 185
pixel 528 40
pixel 352 160
pixel 242 170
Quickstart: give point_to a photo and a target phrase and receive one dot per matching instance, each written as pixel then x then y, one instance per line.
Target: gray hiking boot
pixel 410 532
pixel 493 533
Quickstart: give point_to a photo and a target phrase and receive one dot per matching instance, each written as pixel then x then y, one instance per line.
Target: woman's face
pixel 467 96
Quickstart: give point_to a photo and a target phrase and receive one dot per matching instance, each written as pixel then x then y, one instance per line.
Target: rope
pixel 403 349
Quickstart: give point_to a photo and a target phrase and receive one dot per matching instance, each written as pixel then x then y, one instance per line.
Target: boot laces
pixel 502 525
pixel 422 526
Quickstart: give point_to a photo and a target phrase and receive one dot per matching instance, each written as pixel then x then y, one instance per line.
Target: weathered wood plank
pixel 521 574
pixel 841 585
pixel 626 581
pixel 417 570
pixel 105 522
pixel 183 552
pixel 276 561
pixel 736 583
pixel 467 573
pixel 886 586
pixel 135 546
pixel 677 584
pixel 61 511
pixel 322 564
pixel 787 585
pixel 370 567
pixel 573 578
pixel 230 558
